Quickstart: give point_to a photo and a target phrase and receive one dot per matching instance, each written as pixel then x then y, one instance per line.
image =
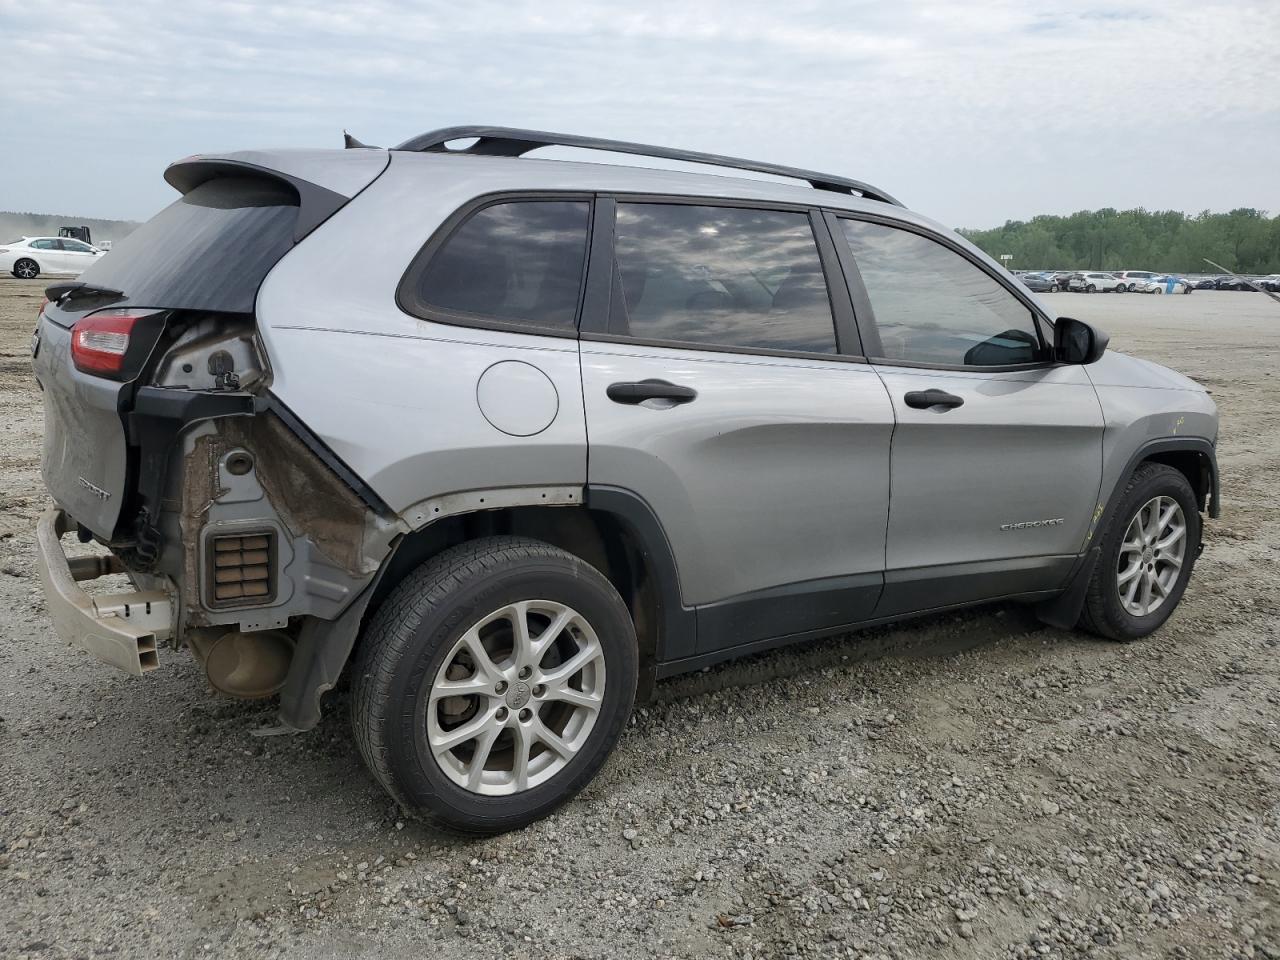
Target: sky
pixel 971 113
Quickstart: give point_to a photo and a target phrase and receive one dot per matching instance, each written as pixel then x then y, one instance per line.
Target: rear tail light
pixel 100 341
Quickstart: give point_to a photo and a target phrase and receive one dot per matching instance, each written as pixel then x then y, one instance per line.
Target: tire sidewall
pixel 1169 483
pixel 420 781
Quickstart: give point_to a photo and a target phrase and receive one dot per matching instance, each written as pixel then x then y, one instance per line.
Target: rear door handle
pixel 924 399
pixel 642 390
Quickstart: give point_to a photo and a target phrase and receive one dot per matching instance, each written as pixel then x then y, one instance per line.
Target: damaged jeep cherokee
pixel 504 440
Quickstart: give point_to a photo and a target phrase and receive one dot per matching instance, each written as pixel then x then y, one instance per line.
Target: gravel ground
pixel 970 785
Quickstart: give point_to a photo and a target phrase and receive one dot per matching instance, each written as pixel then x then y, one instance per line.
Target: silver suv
pixel 503 441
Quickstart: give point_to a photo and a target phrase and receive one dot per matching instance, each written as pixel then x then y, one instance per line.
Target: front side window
pixel 519 261
pixel 933 306
pixel 721 276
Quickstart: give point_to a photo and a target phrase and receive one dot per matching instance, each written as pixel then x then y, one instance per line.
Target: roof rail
pixel 512 142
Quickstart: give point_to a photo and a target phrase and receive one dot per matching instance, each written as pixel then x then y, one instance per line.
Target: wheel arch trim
pixel 325 646
pixel 1063 611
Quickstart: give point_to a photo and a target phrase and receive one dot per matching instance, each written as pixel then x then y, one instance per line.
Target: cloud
pixel 973 114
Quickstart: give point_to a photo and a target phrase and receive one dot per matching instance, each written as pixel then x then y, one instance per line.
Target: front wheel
pixel 1121 288
pixel 1091 289
pixel 493 683
pixel 1054 289
pixel 26 269
pixel 1146 555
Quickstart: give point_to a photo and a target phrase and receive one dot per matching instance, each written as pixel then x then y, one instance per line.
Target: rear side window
pixel 933 306
pixel 209 250
pixel 721 276
pixel 516 262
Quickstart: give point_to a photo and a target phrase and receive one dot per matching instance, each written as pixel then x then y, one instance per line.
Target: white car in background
pixel 1160 284
pixel 1129 279
pixel 1094 283
pixel 28 257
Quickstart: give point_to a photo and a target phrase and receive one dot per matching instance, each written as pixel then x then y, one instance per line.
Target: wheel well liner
pixel 615 531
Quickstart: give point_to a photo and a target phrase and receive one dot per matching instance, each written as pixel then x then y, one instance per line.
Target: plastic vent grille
pixel 242 569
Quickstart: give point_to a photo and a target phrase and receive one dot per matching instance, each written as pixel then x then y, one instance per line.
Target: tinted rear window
pixel 207 251
pixel 519 262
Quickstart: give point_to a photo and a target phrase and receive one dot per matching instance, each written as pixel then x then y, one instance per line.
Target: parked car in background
pixel 1270 282
pixel 1128 278
pixel 1040 282
pixel 1094 282
pixel 1206 283
pixel 1062 277
pixel 1234 283
pixel 28 257
pixel 1167 284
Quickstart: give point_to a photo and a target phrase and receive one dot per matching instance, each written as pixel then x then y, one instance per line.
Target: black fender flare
pixel 1063 611
pixel 676 623
pixel 324 646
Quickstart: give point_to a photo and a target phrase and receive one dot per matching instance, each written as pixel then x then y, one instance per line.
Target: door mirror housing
pixel 1074 341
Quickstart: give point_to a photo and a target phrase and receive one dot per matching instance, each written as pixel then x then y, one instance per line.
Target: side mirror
pixel 1074 341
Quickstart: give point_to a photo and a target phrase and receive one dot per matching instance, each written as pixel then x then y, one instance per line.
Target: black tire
pixel 1091 289
pixel 1103 612
pixel 413 632
pixel 26 269
pixel 1054 289
pixel 1121 288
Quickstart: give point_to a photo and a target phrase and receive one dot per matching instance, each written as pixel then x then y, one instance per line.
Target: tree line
pixel 1245 241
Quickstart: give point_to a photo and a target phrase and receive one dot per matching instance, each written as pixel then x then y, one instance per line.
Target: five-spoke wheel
pixel 493 682
pixel 1146 553
pixel 516 697
pixel 1151 555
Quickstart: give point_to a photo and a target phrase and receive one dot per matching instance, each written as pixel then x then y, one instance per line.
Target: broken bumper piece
pixel 121 629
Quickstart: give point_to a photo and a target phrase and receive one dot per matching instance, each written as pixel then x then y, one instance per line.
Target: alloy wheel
pixel 516 698
pixel 26 270
pixel 1151 556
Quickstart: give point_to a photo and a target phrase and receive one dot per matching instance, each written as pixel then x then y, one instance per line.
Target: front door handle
pixel 924 399
pixel 641 390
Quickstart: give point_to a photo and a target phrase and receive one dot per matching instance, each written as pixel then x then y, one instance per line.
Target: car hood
pixel 1121 370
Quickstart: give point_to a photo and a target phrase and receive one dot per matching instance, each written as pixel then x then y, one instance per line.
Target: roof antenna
pixel 351 143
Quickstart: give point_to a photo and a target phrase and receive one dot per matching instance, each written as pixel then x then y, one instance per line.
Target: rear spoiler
pixel 324 181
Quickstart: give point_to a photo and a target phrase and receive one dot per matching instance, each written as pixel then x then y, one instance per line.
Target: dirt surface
pixel 969 786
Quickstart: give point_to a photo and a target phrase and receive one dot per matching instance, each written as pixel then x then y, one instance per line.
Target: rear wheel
pixel 1147 555
pixel 26 269
pixel 493 683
